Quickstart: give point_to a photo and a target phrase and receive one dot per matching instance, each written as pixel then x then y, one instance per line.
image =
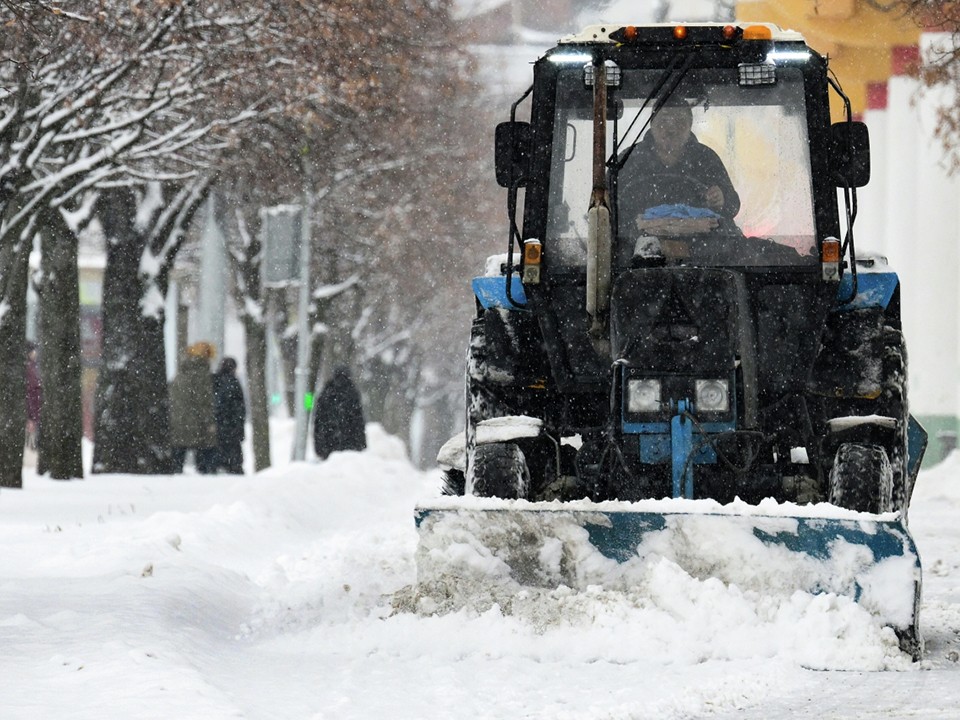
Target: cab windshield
pixel 731 187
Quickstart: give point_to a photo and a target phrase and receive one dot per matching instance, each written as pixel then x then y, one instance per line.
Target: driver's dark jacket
pixel 645 181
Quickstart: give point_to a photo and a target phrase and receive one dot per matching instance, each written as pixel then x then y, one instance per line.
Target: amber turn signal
pixel 831 250
pixel 532 252
pixel 757 32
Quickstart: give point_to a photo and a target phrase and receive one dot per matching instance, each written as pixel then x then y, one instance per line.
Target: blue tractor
pixel 681 340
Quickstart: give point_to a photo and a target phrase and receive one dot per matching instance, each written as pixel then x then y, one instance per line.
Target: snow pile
pixel 706 579
pixel 293 594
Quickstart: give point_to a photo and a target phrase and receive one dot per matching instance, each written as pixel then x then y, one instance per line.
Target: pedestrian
pixel 338 422
pixel 230 413
pixel 192 423
pixel 34 397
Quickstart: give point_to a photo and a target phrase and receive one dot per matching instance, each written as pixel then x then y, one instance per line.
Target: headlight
pixel 643 396
pixel 713 395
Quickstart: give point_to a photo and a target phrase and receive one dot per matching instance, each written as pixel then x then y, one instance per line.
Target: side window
pixel 571 184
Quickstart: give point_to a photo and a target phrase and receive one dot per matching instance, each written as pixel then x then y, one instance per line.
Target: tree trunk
pixel 13 324
pixel 401 401
pixel 256 341
pixel 132 415
pixel 441 418
pixel 318 346
pixel 245 265
pixel 59 350
pixel 390 393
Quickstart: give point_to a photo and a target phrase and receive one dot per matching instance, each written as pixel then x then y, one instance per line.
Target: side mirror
pixel 512 146
pixel 850 154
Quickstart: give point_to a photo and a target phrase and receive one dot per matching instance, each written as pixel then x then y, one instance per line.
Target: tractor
pixel 682 341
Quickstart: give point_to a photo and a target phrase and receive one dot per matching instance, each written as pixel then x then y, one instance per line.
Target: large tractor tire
pixel 861 479
pixel 500 470
pixel 864 368
pixel 893 403
pixel 482 377
pixel 488 379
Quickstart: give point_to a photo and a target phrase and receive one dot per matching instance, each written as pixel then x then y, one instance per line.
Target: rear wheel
pixel 893 403
pixel 861 479
pixel 861 372
pixel 488 377
pixel 500 470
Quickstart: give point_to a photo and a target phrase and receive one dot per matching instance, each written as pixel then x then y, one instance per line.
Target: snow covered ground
pixel 285 595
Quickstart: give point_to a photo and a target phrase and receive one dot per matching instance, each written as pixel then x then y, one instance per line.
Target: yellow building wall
pixel 856 35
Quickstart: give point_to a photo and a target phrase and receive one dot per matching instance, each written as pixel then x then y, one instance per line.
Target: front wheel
pixel 861 479
pixel 499 470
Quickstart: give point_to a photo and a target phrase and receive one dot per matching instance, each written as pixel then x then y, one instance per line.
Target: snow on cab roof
pixel 601 33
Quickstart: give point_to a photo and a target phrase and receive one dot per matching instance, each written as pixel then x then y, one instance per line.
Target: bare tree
pixel 53 138
pixel 385 140
pixel 245 257
pixel 132 422
pixel 103 100
pixel 57 286
pixel 942 67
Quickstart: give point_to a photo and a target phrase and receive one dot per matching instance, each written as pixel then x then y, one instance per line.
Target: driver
pixel 671 167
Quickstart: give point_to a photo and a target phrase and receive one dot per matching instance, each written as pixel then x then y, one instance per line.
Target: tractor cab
pixel 757 130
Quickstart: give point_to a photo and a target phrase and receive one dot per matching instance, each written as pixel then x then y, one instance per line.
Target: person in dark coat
pixel 338 422
pixel 230 412
pixel 192 424
pixel 670 166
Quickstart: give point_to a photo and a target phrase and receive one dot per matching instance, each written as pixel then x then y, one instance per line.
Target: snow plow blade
pixel 871 559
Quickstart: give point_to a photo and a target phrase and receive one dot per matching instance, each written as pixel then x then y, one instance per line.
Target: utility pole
pixel 301 414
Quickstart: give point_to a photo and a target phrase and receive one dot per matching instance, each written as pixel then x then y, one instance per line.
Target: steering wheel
pixel 673 188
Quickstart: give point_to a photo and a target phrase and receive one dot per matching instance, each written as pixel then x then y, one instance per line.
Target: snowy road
pixel 930 689
pixel 273 597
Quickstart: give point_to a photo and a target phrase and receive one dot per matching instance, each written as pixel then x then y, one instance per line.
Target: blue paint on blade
pixel 619 538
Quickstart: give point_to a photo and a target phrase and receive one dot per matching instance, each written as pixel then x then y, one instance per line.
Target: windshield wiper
pixel 671 74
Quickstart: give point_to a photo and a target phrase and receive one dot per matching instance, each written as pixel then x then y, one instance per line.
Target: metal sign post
pixel 301 385
pixel 281 234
